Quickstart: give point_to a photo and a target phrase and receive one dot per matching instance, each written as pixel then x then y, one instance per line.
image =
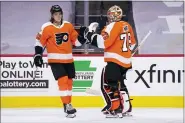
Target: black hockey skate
pixel 69 110
pixel 113 113
pixel 119 111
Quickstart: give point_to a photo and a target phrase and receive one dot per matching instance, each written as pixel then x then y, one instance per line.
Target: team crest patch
pixel 65 37
pixel 125 28
pixel 61 37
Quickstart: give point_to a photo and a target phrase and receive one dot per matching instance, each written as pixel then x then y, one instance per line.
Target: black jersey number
pixel 61 37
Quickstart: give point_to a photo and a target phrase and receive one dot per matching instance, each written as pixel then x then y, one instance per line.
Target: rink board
pixel 154 81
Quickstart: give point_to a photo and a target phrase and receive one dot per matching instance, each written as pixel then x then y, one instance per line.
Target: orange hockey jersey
pixel 118 40
pixel 58 41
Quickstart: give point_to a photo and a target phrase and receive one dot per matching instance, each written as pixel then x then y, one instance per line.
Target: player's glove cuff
pixel 91 36
pixel 81 39
pixel 38 50
pixel 38 61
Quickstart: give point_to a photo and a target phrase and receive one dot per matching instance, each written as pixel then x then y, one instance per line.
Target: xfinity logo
pixel 160 75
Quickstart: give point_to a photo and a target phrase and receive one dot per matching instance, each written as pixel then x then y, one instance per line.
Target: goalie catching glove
pixel 91 33
pixel 92 37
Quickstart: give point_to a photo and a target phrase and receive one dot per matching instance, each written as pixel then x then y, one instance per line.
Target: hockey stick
pixel 97 92
pixel 35 73
pixel 139 46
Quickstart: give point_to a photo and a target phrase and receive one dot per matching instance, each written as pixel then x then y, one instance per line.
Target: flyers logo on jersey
pixel 61 37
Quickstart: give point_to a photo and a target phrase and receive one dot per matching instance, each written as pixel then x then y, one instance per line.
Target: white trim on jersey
pixel 118 57
pixel 60 25
pixel 100 41
pixel 59 56
pixel 44 26
pixel 49 23
pixel 109 27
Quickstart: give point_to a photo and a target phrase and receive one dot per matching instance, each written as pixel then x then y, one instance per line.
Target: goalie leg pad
pixel 110 92
pixel 113 93
pixel 105 95
pixel 125 98
pixel 125 101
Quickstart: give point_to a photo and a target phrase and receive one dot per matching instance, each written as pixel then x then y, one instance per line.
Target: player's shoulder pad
pixel 125 23
pixel 68 23
pixel 46 25
pixel 127 26
pixel 109 27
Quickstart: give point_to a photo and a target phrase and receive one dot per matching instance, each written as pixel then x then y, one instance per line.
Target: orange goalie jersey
pixel 58 41
pixel 119 40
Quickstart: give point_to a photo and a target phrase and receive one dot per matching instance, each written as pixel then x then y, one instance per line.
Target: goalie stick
pixel 139 46
pixel 97 92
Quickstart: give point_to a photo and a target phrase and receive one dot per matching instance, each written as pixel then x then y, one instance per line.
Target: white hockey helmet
pixel 114 13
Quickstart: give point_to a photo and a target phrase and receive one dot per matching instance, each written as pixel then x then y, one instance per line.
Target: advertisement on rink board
pixel 150 76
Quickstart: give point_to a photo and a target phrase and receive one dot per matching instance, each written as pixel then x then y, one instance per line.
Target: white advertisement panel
pixel 150 76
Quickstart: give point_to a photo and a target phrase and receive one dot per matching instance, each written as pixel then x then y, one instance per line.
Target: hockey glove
pixel 92 38
pixel 81 38
pixel 38 61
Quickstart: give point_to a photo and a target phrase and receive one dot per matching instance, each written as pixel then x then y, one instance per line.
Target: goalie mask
pixel 114 14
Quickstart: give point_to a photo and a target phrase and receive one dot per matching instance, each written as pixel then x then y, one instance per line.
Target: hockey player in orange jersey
pixel 58 36
pixel 117 39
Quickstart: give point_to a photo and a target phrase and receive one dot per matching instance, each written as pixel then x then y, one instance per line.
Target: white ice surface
pixel 90 115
